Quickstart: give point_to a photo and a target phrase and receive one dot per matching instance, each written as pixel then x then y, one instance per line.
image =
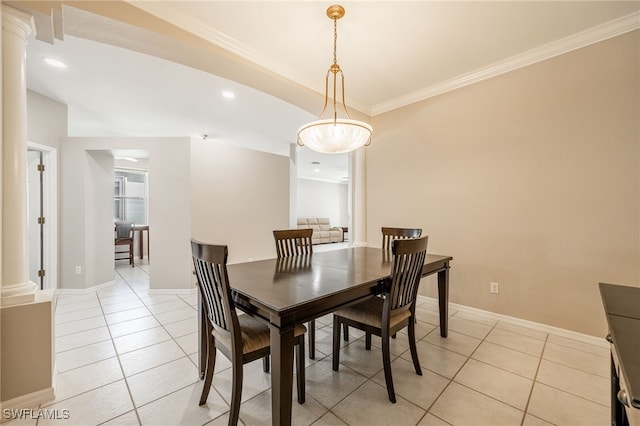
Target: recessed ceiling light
pixel 228 94
pixel 56 63
pixel 316 170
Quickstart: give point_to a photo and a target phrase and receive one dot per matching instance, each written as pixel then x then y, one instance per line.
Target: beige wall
pixel 169 214
pixel 238 197
pixel 71 214
pixel 98 217
pixel 530 179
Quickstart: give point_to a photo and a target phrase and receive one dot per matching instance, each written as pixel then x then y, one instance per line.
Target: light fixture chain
pixel 335 40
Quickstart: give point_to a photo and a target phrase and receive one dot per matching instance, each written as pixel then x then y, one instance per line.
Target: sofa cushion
pixel 311 222
pixel 324 224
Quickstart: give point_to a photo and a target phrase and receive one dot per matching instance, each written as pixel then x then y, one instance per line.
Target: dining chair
pixel 293 242
pixel 241 338
pixel 124 237
pixel 296 242
pixel 384 316
pixel 390 234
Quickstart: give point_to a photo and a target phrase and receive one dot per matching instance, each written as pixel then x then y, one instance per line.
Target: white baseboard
pixel 581 337
pixel 92 289
pixel 360 244
pixel 176 291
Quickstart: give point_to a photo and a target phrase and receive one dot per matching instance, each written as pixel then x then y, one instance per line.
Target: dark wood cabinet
pixel 622 308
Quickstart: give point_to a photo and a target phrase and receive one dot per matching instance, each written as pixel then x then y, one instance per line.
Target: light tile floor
pixel 126 357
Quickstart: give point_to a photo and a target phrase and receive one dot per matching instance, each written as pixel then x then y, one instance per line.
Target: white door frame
pixel 50 208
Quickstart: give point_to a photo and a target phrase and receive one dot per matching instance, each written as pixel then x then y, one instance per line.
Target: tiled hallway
pixel 125 357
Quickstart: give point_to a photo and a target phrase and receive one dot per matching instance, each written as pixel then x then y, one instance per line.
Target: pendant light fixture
pixel 335 135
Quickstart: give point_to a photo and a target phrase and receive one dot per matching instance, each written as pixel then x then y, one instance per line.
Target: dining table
pixel 141 229
pixel 289 291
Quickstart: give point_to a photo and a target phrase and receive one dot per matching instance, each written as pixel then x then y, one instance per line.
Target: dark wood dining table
pixel 293 290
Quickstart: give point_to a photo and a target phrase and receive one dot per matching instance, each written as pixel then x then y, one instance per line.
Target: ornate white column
pixel 293 185
pixel 16 287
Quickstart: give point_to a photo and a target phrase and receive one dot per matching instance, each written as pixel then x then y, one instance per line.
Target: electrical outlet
pixel 78 270
pixel 495 288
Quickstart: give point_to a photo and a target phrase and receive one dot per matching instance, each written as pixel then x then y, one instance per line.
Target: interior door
pixel 36 217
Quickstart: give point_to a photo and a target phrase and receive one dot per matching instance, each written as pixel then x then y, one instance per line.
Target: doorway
pixel 131 203
pixel 42 215
pixel 322 187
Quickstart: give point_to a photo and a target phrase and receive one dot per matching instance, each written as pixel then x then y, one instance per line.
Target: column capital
pixel 16 22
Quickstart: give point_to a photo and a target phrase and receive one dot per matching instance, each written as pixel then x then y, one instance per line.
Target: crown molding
pixel 576 41
pixel 193 25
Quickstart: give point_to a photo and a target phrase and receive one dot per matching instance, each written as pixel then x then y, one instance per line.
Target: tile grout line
pixel 535 380
pixel 525 411
pixel 451 380
pixel 162 325
pixel 124 376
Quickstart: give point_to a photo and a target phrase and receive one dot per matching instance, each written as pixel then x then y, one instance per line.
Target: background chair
pixel 241 338
pixel 293 242
pixel 124 236
pixel 384 316
pixel 389 234
pixel 296 242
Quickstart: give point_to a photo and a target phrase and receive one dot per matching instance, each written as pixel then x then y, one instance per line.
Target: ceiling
pixel 157 79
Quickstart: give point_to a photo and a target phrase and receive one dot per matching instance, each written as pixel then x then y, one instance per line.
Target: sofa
pixel 323 232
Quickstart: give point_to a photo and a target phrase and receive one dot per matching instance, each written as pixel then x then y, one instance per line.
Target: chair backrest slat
pixel 390 234
pixel 293 242
pixel 406 271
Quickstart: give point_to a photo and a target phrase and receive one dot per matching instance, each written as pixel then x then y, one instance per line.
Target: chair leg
pixel 345 327
pixel 336 342
pixel 236 392
pixel 265 364
pixel 300 370
pixel 386 361
pixel 312 339
pixel 367 341
pixel 210 367
pixel 412 345
pixel 131 254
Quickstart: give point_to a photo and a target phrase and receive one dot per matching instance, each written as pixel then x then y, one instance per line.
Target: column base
pixel 18 294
